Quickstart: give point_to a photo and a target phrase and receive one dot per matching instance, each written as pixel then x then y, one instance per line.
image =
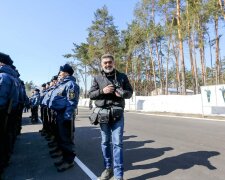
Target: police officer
pixel 43 92
pixel 35 101
pixel 7 88
pixel 26 105
pixel 13 124
pixel 47 111
pixel 64 100
pixel 30 102
pixel 22 101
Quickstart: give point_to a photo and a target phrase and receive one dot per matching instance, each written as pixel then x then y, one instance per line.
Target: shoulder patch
pixel 71 94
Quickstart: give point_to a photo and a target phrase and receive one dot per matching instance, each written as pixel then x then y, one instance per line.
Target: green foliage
pixel 29 86
pixel 142 49
pixel 103 36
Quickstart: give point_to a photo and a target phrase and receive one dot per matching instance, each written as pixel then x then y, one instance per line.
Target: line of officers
pixel 58 102
pixel 12 100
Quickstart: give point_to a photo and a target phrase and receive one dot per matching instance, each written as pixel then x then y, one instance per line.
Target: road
pixel 155 147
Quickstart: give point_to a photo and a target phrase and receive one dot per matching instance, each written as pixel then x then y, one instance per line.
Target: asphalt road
pixel 155 147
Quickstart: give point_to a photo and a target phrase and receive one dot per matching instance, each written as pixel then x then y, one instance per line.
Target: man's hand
pixel 117 94
pixel 108 89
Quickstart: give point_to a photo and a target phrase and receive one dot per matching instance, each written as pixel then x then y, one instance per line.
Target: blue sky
pixel 36 33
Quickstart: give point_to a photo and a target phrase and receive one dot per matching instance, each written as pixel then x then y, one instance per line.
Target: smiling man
pixel 109 90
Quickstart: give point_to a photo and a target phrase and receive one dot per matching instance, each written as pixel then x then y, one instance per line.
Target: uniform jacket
pixel 43 93
pixel 22 93
pixel 65 97
pixel 27 102
pixel 8 86
pixel 35 100
pixel 46 99
pixel 107 100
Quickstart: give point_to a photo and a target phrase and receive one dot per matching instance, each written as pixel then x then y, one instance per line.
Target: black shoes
pixel 64 166
pixel 54 151
pixel 59 163
pixel 57 154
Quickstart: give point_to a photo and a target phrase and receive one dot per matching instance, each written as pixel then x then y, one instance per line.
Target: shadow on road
pixel 182 161
pixel 31 159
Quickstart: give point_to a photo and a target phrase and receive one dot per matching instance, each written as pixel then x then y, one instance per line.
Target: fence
pixel 210 102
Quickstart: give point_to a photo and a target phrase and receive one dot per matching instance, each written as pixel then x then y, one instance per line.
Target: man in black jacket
pixel 109 90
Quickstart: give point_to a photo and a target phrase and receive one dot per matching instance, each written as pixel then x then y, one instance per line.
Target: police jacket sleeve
pixel 72 101
pixel 95 91
pixel 37 100
pixel 127 88
pixel 34 103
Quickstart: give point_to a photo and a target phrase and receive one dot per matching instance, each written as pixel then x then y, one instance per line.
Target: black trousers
pixel 35 113
pixel 66 137
pixel 45 118
pixel 19 116
pixel 11 132
pixel 49 120
pixel 42 114
pixel 52 125
pixel 3 124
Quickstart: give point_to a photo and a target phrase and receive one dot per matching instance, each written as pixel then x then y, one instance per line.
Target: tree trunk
pixel 177 68
pixel 221 3
pixel 159 66
pixel 217 51
pixel 201 51
pixel 152 64
pixel 195 64
pixel 139 66
pixel 167 63
pixel 146 74
pixel 183 82
pixel 190 44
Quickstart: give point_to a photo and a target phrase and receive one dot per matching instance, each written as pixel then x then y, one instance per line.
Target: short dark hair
pixel 107 56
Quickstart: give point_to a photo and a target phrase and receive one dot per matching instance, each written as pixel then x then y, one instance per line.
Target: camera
pixel 118 88
pixel 116 85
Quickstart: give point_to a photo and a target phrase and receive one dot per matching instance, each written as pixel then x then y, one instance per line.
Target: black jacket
pixel 116 78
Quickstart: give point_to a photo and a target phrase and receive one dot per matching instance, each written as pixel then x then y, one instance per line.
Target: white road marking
pixel 82 165
pixel 40 121
pixel 85 169
pixel 184 117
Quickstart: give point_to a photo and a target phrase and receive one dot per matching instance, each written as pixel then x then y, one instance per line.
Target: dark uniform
pixel 64 100
pixel 35 101
pixel 22 101
pixel 26 105
pixel 7 88
pixel 48 123
pixel 13 115
pixel 44 104
pixel 43 92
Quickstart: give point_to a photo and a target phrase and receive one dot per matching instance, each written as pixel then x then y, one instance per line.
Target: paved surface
pixel 31 159
pixel 159 148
